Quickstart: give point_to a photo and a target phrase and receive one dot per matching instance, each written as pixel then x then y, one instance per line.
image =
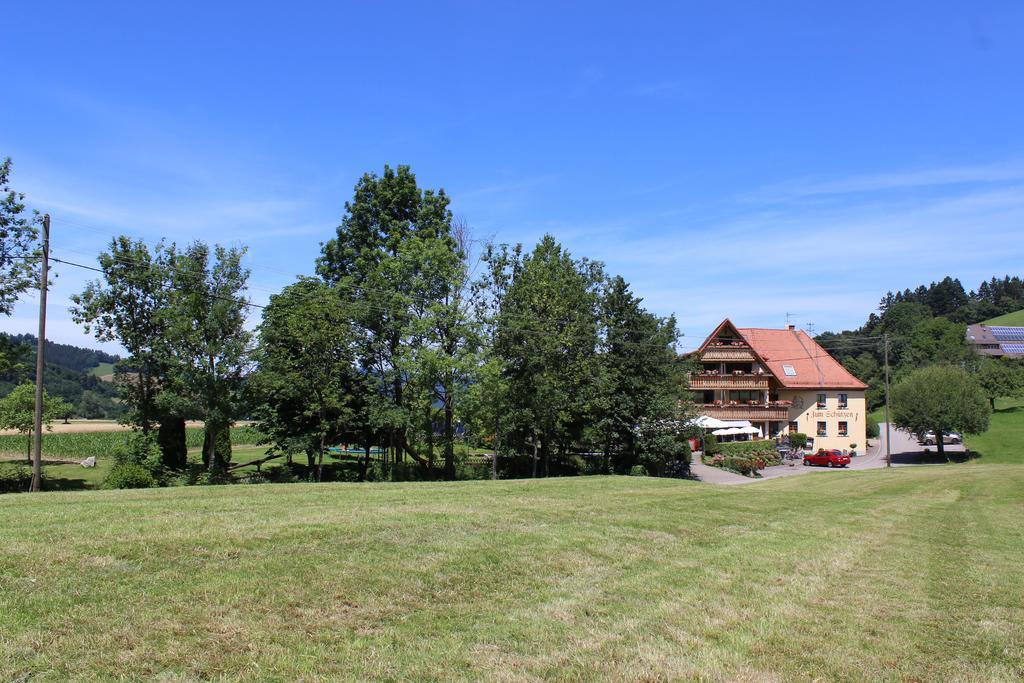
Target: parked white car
pixel 947 438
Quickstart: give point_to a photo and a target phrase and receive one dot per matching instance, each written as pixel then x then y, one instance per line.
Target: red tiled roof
pixel 814 367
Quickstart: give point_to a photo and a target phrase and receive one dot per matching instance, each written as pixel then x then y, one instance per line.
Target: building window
pixel 843 429
pixel 822 430
pixel 793 427
pixel 842 400
pixel 821 400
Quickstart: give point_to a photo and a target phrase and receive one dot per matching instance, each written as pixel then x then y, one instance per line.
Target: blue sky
pixel 729 159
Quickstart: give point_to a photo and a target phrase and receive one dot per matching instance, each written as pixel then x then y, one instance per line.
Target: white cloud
pixel 901 180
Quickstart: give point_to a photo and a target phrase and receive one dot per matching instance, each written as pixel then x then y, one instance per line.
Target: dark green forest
pixel 67 375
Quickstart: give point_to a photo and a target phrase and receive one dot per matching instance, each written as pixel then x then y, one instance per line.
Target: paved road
pixel 905 451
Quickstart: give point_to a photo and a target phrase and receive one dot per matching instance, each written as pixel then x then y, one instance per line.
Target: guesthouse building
pixel 781 381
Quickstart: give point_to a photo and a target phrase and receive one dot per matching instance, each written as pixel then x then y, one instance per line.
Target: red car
pixel 832 458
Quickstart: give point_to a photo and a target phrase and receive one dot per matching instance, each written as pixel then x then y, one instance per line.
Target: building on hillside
pixel 996 341
pixel 781 381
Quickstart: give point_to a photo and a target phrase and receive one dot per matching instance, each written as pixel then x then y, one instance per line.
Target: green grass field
pixel 1015 319
pixel 1004 440
pixel 102 370
pixel 910 574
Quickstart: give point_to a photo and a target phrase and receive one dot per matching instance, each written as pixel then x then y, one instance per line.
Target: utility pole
pixel 497 447
pixel 37 455
pixel 888 451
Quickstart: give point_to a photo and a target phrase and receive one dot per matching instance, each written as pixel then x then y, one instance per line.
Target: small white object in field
pixel 89 462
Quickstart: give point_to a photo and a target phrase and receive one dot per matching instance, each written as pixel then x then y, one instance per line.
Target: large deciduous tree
pixel 394 254
pixel 306 385
pixel 940 398
pixel 1000 378
pixel 206 334
pixel 130 304
pixel 18 235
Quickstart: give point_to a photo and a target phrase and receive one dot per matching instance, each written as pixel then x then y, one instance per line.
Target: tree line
pixel 928 326
pixel 407 341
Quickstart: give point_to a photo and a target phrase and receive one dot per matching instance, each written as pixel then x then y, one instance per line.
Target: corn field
pixel 83 444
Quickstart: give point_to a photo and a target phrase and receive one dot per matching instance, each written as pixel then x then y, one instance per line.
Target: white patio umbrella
pixel 711 422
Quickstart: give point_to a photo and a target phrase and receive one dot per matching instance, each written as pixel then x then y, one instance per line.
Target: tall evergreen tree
pixel 547 336
pixel 644 382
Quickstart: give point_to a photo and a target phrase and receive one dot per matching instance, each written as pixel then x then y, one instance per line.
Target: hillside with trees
pixel 67 375
pixel 928 326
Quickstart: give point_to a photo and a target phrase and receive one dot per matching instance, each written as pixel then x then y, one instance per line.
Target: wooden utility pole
pixel 37 455
pixel 888 451
pixel 497 446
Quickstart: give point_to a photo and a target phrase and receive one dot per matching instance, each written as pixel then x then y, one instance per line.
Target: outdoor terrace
pixel 728 354
pixel 754 412
pixel 731 381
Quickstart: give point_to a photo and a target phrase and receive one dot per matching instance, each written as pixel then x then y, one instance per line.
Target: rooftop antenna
pixel 788 316
pixel 810 329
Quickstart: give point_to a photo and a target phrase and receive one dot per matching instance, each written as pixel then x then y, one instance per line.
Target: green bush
pixel 129 475
pixel 744 466
pixel 797 439
pixel 710 444
pixel 638 471
pixel 872 429
pixel 14 478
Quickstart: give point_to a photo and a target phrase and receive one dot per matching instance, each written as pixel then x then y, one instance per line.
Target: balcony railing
pixel 728 354
pixel 754 413
pixel 757 382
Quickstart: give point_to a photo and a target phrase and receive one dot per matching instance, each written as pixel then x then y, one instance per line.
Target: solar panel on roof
pixel 1008 334
pixel 1012 348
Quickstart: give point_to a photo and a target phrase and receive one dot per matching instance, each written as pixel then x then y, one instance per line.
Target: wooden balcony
pixel 756 413
pixel 726 382
pixel 728 354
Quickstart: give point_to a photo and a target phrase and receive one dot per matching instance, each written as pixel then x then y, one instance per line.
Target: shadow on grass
pixel 933 458
pixel 1009 411
pixel 67 484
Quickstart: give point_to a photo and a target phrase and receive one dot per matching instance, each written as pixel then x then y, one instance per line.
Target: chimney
pixel 792 327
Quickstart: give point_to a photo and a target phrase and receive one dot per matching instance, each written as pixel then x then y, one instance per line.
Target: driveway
pixel 907 451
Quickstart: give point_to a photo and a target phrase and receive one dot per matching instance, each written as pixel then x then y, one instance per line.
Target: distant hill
pixel 71 372
pixel 66 355
pixel 1015 319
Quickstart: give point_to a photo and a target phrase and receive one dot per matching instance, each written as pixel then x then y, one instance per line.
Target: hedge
pixel 765 447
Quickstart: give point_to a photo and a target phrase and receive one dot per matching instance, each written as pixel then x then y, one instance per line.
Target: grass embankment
pixel 1015 319
pixel 1004 440
pixel 906 574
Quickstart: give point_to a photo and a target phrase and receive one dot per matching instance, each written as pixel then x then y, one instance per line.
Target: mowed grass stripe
pixel 855 576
